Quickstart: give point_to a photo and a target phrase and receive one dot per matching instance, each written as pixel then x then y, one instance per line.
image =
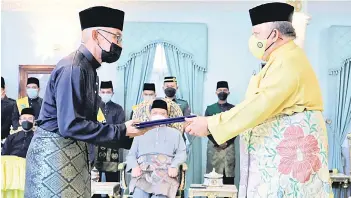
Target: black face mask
pixel 222 95
pixel 170 92
pixel 114 53
pixel 26 125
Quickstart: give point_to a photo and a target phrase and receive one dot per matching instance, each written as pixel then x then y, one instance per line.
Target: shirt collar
pixel 282 49
pixel 277 54
pixel 34 99
pixel 94 63
pixel 222 104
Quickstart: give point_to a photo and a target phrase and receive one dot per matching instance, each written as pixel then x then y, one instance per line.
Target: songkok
pixel 222 84
pixel 271 12
pixel 106 85
pixel 161 104
pixel 29 111
pixel 33 80
pixel 2 82
pixel 101 16
pixel 149 87
pixel 170 79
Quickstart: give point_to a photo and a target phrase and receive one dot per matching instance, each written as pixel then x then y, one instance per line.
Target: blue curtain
pixel 342 118
pixel 135 73
pixel 190 77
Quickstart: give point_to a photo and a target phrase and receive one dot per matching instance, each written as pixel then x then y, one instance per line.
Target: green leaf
pixel 275 130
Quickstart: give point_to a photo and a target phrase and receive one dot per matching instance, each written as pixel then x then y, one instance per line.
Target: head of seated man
pixel 27 119
pixel 159 110
pixel 17 144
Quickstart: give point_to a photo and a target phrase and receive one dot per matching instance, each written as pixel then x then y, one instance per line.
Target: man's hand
pixel 136 172
pixel 197 127
pixel 172 172
pixel 132 131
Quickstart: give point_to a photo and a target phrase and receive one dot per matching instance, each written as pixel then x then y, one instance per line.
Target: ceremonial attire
pixel 57 159
pixel 17 144
pixel 284 144
pixel 27 102
pixel 184 106
pixel 223 160
pixel 107 159
pixel 155 152
pixel 9 116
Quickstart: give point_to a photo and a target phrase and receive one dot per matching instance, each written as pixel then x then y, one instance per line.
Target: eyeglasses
pixel 117 36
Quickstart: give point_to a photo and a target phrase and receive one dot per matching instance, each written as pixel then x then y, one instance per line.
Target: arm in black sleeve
pixel 72 123
pixel 126 143
pixel 231 141
pixel 210 137
pixel 121 117
pixel 6 148
pixel 15 117
pixel 131 115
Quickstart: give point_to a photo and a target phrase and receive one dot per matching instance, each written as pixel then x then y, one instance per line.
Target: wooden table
pixel 109 188
pixel 213 192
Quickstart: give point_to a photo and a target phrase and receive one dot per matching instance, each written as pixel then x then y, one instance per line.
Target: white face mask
pixel 148 98
pixel 32 93
pixel 157 117
pixel 106 97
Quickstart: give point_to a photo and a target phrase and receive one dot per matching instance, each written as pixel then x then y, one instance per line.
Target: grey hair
pixel 86 33
pixel 285 28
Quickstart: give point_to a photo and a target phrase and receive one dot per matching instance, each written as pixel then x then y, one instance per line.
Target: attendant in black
pixel 114 113
pixel 9 112
pixel 221 157
pixel 32 100
pixel 68 117
pixel 17 144
pixel 107 159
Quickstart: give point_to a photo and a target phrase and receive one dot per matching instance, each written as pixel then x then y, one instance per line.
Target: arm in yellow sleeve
pixel 271 98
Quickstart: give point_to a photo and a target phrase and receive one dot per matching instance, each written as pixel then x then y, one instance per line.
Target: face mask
pixel 258 46
pixel 111 56
pixel 222 95
pixel 170 92
pixel 106 97
pixel 26 125
pixel 32 93
pixel 148 98
pixel 157 117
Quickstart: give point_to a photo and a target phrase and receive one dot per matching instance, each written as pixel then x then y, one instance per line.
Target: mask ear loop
pixel 104 38
pixel 272 42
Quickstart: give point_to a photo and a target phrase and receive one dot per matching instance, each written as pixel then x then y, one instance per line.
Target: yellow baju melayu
pixel 283 136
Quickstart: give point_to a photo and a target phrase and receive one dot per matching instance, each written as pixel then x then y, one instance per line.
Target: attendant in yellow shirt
pixel 283 137
pixel 32 100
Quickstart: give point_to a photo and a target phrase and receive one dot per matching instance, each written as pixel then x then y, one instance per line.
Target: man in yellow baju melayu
pixel 283 136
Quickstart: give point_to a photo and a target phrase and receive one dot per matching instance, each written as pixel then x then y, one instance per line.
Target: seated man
pixel 155 157
pixel 17 144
